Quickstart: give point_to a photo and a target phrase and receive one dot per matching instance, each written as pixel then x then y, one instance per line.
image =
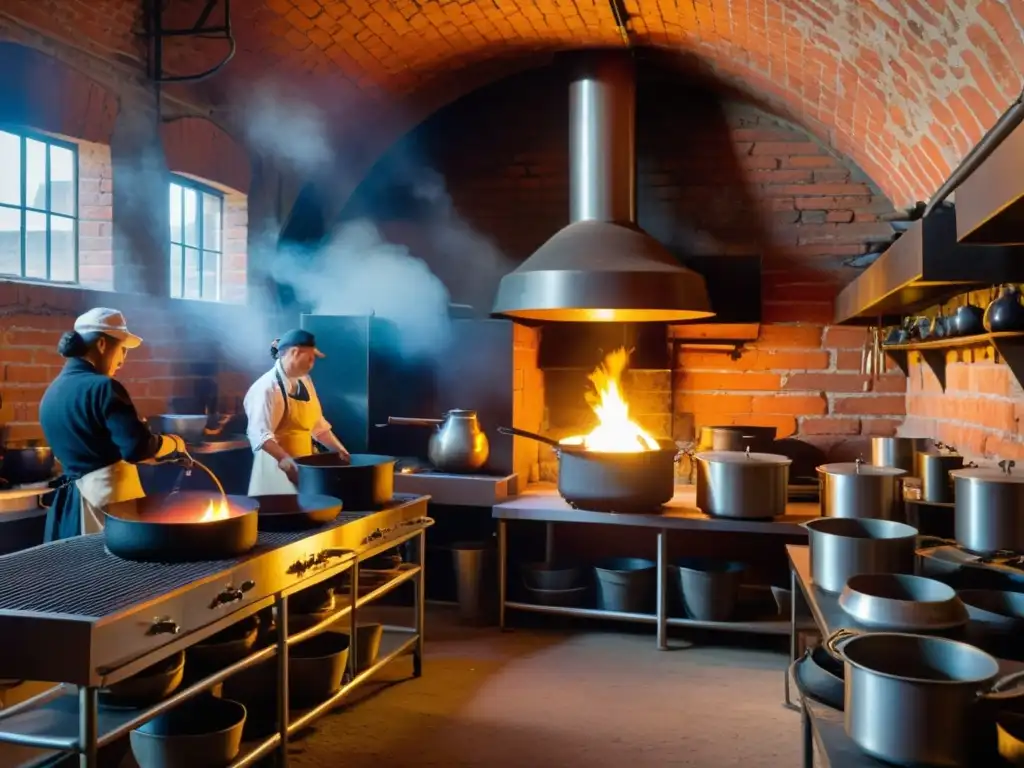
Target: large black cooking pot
pixel 639 482
pixel 19 466
pixel 166 528
pixel 367 482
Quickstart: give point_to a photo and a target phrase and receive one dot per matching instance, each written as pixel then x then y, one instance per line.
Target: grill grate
pixel 48 579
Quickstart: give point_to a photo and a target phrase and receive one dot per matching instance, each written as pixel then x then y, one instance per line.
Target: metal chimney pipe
pixel 602 139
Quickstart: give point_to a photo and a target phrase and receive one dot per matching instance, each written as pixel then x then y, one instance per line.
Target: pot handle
pixel 404 421
pixel 834 643
pixel 515 432
pixel 1013 682
pixel 927 542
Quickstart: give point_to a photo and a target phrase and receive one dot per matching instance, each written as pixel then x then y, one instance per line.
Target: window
pixel 197 213
pixel 38 207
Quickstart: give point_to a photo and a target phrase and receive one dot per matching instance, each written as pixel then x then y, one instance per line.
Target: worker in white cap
pixel 93 428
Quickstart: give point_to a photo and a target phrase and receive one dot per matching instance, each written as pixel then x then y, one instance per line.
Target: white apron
pixel 295 435
pixel 118 482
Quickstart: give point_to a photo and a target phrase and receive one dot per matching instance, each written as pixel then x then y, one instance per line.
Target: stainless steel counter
pixel 541 502
pixel 458 490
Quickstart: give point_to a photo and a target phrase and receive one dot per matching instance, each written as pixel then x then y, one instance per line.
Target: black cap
pixel 298 338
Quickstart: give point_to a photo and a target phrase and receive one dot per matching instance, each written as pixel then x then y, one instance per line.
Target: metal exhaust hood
pixel 925 267
pixel 602 267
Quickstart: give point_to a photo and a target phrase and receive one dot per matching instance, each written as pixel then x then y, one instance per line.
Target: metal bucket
pixel 710 588
pixel 626 584
pixel 474 574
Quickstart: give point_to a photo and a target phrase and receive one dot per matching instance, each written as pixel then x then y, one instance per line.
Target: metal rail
pixel 83 730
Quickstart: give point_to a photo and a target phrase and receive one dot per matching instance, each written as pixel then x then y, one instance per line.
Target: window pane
pixel 35 174
pixel 35 245
pixel 10 241
pixel 191 218
pixel 191 274
pixel 211 276
pixel 175 213
pixel 176 256
pixel 212 237
pixel 62 249
pixel 10 169
pixel 62 180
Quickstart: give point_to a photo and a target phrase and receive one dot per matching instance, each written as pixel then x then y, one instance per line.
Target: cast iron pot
pixel 843 547
pixel 598 481
pixel 367 483
pixel 292 512
pixel 914 699
pixel 19 466
pixel 170 528
pixel 989 512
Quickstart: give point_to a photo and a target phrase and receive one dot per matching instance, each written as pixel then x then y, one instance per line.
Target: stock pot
pixel 841 548
pixel 859 490
pixel 742 484
pixel 989 511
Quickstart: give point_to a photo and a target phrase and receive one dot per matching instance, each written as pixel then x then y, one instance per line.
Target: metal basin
pixel 901 602
pixel 205 732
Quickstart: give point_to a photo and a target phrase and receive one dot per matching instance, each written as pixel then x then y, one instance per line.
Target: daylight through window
pixel 38 207
pixel 196 214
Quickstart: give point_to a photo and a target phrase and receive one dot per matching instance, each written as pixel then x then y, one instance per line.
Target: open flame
pixel 615 432
pixel 216 511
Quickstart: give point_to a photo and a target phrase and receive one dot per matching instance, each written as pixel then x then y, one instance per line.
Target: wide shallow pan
pixel 290 512
pixel 176 528
pixel 628 482
pixel 898 601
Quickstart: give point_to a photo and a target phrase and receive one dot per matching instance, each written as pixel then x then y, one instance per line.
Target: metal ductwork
pixel 602 267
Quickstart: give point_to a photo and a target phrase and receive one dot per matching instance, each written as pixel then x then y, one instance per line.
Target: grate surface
pixel 48 579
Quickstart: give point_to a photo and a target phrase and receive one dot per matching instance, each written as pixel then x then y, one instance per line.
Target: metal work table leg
pixel 502 571
pixel 88 730
pixel 808 739
pixel 792 636
pixel 281 604
pixel 353 656
pixel 662 592
pixel 549 542
pixel 420 591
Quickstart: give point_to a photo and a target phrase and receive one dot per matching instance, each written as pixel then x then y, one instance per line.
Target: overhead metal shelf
pixel 990 202
pixel 926 266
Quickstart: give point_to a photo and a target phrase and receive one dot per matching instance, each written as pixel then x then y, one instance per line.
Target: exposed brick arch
pixel 82 109
pixel 198 147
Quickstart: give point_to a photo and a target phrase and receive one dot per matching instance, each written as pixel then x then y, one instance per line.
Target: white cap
pixel 109 322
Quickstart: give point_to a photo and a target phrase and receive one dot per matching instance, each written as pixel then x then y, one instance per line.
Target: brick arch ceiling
pixel 902 87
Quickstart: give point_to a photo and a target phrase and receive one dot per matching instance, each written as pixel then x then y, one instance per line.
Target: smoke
pixel 356 272
pixel 289 131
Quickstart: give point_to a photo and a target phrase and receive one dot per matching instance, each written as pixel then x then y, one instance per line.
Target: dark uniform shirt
pixel 90 422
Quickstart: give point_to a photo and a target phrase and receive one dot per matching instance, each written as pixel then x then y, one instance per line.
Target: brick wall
pixel 95 216
pixel 762 186
pixel 980 410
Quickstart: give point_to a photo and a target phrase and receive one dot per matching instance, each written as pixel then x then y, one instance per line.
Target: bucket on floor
pixel 710 588
pixel 626 584
pixel 475 573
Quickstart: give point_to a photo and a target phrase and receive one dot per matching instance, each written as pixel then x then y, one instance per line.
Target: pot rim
pixel 910 531
pixel 949 642
pixel 848 468
pixel 742 458
pixel 984 475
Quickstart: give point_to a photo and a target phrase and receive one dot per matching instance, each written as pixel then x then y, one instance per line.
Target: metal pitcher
pixel 458 446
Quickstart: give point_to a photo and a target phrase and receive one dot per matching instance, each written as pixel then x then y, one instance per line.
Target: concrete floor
pixel 545 697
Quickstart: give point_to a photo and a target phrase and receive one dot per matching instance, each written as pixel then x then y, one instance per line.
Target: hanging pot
pixel 599 481
pixel 1005 313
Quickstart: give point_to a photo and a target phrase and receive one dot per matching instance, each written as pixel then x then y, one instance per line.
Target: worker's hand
pixel 179 443
pixel 290 468
pixel 344 455
pixel 172 447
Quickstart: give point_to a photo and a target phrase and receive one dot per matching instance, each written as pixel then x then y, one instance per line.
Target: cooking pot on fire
pixel 458 445
pixel 638 482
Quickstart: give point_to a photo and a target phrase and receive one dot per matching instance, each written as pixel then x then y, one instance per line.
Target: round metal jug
pixel 458 446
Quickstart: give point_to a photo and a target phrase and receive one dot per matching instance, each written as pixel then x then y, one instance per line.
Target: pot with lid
pixel 933 467
pixel 859 490
pixel 742 484
pixel 989 511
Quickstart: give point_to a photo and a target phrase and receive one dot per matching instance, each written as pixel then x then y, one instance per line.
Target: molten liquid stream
pixel 615 432
pixel 216 511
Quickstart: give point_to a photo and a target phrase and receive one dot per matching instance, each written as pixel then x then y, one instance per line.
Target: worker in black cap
pixel 285 416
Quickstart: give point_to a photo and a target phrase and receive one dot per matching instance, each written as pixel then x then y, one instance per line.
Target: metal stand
pixel 281 605
pixel 662 591
pixel 353 655
pixel 807 738
pixel 88 730
pixel 420 600
pixel 502 572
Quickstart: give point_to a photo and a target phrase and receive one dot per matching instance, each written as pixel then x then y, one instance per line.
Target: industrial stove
pixel 71 612
pixel 963 569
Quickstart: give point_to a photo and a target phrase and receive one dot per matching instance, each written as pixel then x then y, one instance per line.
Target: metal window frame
pixel 24 208
pixel 202 189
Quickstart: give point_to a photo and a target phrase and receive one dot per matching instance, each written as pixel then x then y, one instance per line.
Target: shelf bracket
pixel 935 359
pixel 902 359
pixel 1011 352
